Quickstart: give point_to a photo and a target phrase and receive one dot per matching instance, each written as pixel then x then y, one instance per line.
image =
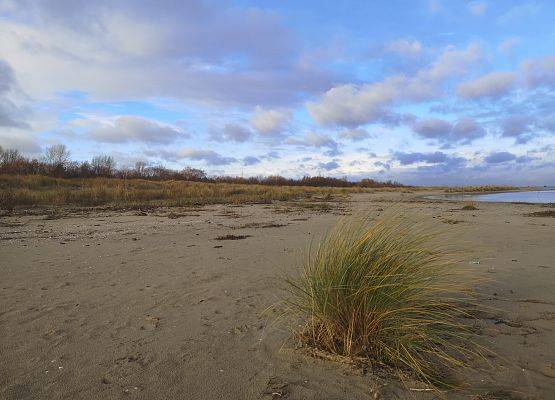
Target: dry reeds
pixel 387 292
pixel 36 190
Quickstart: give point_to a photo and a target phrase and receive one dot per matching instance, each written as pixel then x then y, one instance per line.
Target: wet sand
pixel 110 305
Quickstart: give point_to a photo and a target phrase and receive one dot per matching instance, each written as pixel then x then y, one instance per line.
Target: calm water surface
pixel 536 196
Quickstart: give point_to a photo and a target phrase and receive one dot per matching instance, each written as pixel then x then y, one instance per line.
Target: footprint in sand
pixel 276 389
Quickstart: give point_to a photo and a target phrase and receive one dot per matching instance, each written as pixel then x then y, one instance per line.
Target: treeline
pixel 56 162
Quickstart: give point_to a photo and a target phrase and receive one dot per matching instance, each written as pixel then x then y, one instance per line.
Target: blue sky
pixel 424 92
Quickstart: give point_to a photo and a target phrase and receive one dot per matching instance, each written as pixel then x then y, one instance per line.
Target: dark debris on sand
pixel 546 213
pixel 232 237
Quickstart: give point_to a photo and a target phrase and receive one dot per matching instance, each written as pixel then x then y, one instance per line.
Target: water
pixel 536 196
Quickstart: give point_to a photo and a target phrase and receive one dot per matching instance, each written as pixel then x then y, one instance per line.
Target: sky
pixel 425 92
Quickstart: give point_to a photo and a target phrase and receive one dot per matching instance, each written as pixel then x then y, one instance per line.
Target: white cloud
pixel 316 140
pixel 209 156
pixel 500 167
pixel 313 140
pixel 230 132
pixel 250 160
pixel 270 122
pixel 539 71
pixel 414 158
pixel 131 129
pixel 20 141
pixel 432 128
pixel 463 131
pixel 353 105
pixel 494 84
pixel 329 166
pixel 453 62
pixel 191 51
pixel 405 47
pixel 354 134
pixel 549 123
pixel 499 157
pixel 11 113
pixel 519 127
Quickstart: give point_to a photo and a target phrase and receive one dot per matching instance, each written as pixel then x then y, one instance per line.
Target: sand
pixel 110 305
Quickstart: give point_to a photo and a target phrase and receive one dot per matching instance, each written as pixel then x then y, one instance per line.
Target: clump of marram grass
pixel 469 206
pixel 386 292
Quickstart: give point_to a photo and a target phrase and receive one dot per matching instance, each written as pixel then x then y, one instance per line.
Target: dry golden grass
pixel 33 190
pixel 388 293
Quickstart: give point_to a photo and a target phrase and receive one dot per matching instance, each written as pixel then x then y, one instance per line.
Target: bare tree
pixel 10 156
pixel 57 155
pixel 140 167
pixel 103 165
pixel 193 174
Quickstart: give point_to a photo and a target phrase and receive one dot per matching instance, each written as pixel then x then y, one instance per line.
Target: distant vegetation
pixel 56 180
pixel 38 190
pixel 475 189
pixel 386 293
pixel 57 163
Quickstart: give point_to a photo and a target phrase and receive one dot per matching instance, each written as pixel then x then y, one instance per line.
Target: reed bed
pixel 34 190
pixel 387 293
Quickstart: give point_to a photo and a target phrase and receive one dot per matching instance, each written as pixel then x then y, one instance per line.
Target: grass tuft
pixel 388 292
pixel 469 206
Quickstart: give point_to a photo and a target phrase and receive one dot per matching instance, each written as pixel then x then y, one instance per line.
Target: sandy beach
pixel 150 305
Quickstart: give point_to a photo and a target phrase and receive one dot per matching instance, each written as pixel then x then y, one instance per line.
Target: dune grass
pixel 469 206
pixel 36 190
pixel 386 292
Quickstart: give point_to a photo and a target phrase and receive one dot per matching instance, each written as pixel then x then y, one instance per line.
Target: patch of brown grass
pixel 37 191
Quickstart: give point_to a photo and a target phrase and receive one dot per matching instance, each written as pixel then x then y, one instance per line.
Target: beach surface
pixel 151 305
